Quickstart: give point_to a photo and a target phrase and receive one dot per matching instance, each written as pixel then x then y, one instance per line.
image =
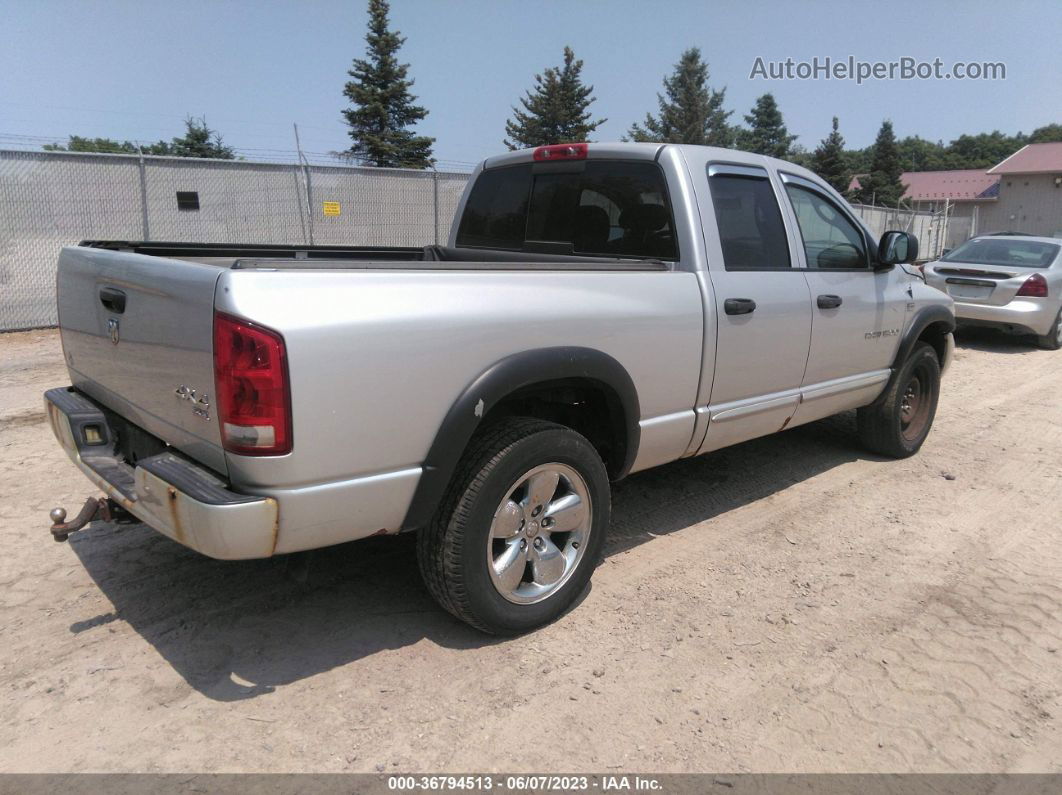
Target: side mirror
pixel 896 248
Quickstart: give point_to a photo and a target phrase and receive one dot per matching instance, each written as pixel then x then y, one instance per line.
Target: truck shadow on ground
pixel 993 341
pixel 237 630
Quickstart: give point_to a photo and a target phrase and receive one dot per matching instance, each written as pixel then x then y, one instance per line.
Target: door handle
pixel 828 301
pixel 113 300
pixel 739 306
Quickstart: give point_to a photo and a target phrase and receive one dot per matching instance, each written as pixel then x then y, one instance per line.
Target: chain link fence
pixel 931 228
pixel 54 199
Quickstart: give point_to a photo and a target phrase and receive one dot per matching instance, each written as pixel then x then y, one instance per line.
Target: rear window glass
pixel 751 231
pixel 999 251
pixel 610 208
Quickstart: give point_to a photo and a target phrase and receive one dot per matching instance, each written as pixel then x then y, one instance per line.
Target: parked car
pixel 599 309
pixel 1006 281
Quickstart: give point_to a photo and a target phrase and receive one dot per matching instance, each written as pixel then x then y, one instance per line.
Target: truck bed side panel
pixel 377 358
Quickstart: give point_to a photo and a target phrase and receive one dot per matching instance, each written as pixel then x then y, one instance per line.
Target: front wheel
pixel 898 422
pixel 521 528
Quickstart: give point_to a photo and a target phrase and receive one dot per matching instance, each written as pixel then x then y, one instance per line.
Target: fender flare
pixel 497 382
pixel 923 318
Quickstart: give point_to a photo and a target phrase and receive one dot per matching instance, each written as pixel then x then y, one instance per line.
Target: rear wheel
pixel 521 528
pixel 1052 340
pixel 898 423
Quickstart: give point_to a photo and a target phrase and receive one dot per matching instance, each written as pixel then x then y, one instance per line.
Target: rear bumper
pixel 1020 316
pixel 174 496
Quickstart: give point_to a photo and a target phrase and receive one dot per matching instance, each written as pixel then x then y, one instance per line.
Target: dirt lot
pixel 792 604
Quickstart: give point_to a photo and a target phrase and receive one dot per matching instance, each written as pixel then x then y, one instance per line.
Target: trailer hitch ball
pixel 94 508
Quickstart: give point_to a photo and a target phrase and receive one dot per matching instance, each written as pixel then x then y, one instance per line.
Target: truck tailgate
pixel 137 334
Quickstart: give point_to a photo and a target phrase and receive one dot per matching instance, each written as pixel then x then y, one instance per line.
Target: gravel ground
pixel 792 604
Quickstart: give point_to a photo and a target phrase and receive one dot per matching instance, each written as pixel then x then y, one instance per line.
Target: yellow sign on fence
pixel 331 208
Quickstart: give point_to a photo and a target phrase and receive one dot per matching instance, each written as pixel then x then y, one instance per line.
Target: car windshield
pixel 1001 251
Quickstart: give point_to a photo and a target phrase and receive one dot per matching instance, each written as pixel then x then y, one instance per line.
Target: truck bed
pixel 294 257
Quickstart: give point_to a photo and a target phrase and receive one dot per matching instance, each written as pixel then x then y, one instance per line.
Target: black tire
pixel 1052 340
pixel 452 549
pixel 898 422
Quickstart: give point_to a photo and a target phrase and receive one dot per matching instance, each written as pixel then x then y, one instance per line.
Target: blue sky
pixel 134 69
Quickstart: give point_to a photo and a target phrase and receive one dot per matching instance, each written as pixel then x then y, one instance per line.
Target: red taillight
pixel 562 152
pixel 251 387
pixel 1035 287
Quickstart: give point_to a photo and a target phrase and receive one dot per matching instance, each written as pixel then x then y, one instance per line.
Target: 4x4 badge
pixel 112 327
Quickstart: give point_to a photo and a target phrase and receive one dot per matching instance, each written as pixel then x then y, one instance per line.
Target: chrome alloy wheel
pixel 539 533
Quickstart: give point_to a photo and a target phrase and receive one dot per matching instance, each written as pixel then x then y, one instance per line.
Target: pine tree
pixel 691 112
pixel 198 141
pixel 767 133
pixel 383 108
pixel 828 160
pixel 883 185
pixel 800 155
pixel 556 110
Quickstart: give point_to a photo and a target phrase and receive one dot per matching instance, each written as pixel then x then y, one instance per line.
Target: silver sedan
pixel 1010 282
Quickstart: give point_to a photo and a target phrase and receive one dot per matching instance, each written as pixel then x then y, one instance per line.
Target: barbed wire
pixel 36 143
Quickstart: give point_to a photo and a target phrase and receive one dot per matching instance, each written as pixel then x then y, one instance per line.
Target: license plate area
pixel 969 288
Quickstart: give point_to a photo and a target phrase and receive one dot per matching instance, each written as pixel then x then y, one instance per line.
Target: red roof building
pixel 971 184
pixel 963 185
pixel 1032 159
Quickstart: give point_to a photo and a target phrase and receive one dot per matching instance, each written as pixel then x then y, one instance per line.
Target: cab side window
pixel 831 240
pixel 750 225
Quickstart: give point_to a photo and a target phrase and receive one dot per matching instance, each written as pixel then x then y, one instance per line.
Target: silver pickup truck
pixel 599 309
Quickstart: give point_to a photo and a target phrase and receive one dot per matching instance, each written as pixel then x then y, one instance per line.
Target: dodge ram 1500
pixel 599 309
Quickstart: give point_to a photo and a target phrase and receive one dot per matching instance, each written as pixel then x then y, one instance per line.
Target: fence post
pixel 145 229
pixel 309 189
pixel 298 204
pixel 309 199
pixel 944 232
pixel 435 202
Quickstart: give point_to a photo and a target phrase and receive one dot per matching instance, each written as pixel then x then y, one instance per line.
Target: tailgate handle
pixel 112 299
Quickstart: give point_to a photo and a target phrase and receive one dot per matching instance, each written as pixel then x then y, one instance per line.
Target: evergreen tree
pixel 383 108
pixel 767 133
pixel 557 109
pixel 198 141
pixel 691 112
pixel 801 156
pixel 828 160
pixel 882 185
